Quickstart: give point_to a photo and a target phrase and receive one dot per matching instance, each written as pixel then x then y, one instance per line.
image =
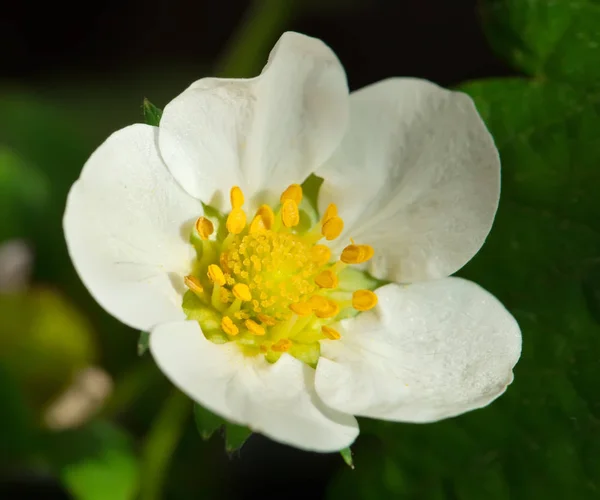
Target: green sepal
pixel 152 114
pixel 208 423
pixel 346 454
pixel 143 343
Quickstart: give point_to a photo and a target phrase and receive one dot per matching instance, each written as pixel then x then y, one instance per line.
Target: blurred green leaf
pixel 24 194
pixel 208 423
pixel 95 462
pixel 555 39
pixel 16 431
pixel 44 342
pixel 152 114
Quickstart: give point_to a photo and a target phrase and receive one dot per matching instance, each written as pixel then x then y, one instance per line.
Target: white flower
pixel 274 331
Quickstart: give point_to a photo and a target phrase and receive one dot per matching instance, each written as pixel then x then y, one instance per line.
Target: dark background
pixel 117 52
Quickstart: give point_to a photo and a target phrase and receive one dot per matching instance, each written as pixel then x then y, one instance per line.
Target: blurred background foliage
pixel 84 417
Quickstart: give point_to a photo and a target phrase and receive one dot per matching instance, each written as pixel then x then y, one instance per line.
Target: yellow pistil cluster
pixel 270 286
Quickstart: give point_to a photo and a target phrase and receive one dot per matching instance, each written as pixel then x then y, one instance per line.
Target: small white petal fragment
pixel 277 400
pixel 291 118
pixel 417 177
pixel 125 224
pixel 428 351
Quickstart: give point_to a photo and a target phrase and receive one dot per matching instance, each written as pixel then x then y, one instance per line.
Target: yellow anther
pixel 293 192
pixel 320 254
pixel 282 345
pixel 228 326
pixel 363 300
pixel 242 292
pixel 257 225
pixel 289 213
pixel 236 221
pixel 193 284
pixel 330 211
pixel 327 279
pixel 318 303
pixel 265 212
pixel 301 308
pixel 331 310
pixel 237 197
pixel 254 327
pixel 204 227
pixel 332 228
pixel 330 333
pixel 356 254
pixel 216 275
pixel 267 320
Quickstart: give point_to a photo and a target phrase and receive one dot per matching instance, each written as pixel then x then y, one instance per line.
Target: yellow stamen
pixel 204 227
pixel 318 302
pixel 330 211
pixel 357 254
pixel 254 327
pixel 236 221
pixel 363 300
pixel 267 320
pixel 290 215
pixel 327 279
pixel 320 254
pixel 194 285
pixel 228 326
pixel 242 292
pixel 293 192
pixel 331 310
pixel 332 228
pixel 216 275
pixel 301 308
pixel 257 225
pixel 282 345
pixel 237 197
pixel 265 212
pixel 330 333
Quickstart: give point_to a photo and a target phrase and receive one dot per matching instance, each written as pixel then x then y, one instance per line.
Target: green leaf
pixel 538 260
pixel 152 114
pixel 95 462
pixel 553 39
pixel 143 343
pixel 208 423
pixel 346 454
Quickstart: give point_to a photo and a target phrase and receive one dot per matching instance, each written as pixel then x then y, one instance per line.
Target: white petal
pixel 263 133
pixel 127 226
pixel 277 400
pixel 417 177
pixel 429 351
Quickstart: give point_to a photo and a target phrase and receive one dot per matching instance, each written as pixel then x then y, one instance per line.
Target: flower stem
pixel 248 47
pixel 161 442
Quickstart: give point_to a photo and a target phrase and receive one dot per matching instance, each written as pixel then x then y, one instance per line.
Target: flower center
pixel 271 286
